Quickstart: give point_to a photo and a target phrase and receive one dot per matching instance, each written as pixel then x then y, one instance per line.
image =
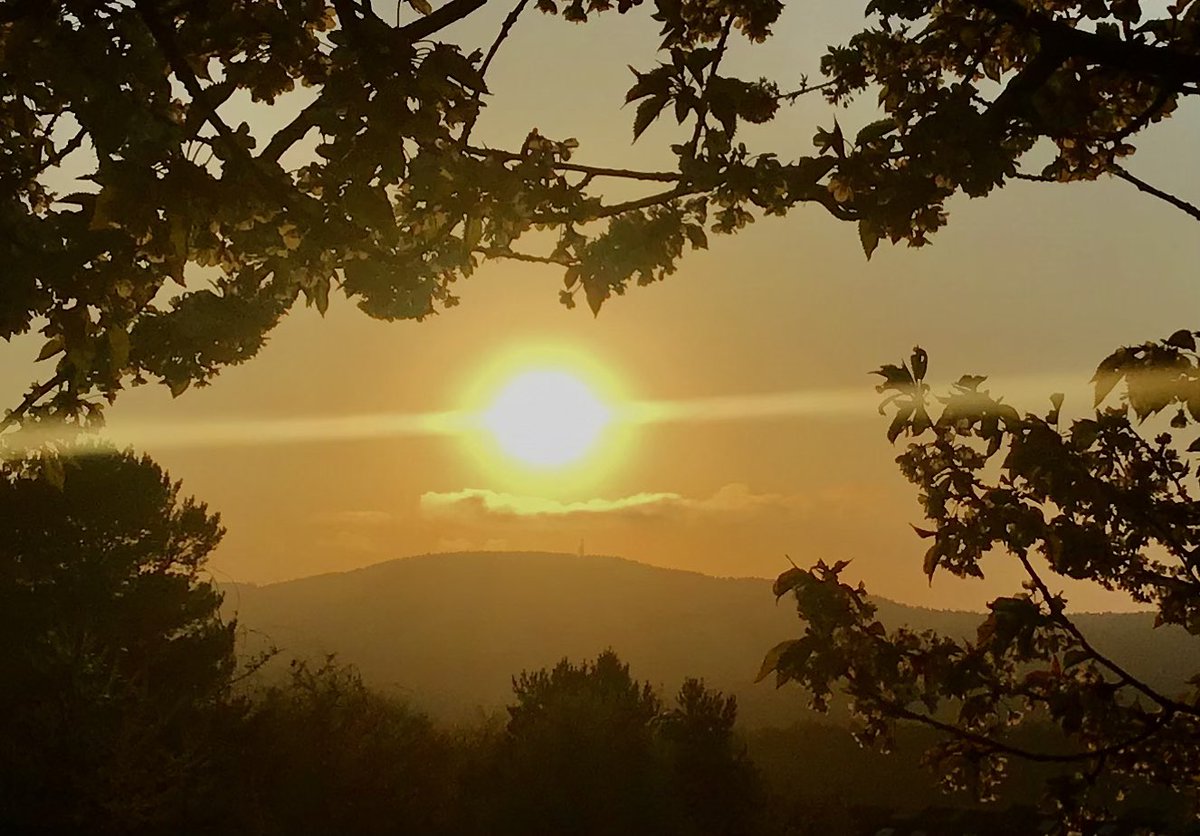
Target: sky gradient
pixel 1032 286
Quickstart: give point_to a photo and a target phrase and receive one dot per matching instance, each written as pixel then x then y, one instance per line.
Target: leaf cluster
pixel 1095 501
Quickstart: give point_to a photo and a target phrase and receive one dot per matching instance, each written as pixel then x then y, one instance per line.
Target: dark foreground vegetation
pixel 124 710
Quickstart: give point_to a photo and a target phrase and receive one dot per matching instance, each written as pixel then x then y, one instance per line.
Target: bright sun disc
pixel 546 418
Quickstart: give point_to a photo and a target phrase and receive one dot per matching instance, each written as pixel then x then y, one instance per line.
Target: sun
pixel 546 418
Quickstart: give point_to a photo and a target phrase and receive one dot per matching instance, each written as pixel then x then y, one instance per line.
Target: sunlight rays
pixel 1027 392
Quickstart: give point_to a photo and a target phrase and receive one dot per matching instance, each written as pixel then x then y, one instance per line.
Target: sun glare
pixel 546 418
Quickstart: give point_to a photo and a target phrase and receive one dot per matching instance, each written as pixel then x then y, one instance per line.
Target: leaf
pixel 422 6
pixel 657 82
pixel 932 558
pixel 473 232
pixel 869 236
pixel 771 660
pixel 788 581
pixel 118 347
pixel 178 387
pixel 647 112
pixel 463 71
pixel 1108 375
pixel 874 131
pixel 290 235
pixel 899 423
pixel 596 292
pixel 104 210
pixel 1183 339
pixel 179 249
pixel 1074 657
pixel 320 295
pixel 53 346
pixel 919 362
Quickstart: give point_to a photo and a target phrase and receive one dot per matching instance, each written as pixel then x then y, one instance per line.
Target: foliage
pixel 1106 500
pixel 588 749
pixel 117 663
pixel 578 754
pixel 325 754
pixel 122 174
pixel 712 775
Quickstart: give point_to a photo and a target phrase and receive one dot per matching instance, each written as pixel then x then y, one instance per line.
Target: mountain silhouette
pixel 449 631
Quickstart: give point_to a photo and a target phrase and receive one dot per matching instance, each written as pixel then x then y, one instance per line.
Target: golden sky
pixel 1033 286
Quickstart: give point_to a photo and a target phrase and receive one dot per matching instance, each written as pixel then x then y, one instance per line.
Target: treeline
pixel 124 709
pixel 585 749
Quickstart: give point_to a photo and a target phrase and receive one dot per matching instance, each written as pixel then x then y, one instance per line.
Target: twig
pixel 1143 186
pixel 1166 703
pixel 997 746
pixel 505 28
pixel 496 252
pixel 597 171
pixel 14 416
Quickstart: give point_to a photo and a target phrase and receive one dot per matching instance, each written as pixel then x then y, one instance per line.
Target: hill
pixel 450 630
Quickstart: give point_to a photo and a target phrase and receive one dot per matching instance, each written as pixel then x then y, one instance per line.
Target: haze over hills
pixel 450 630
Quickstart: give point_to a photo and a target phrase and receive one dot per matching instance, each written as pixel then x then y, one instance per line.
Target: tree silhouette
pixel 117 659
pixel 122 171
pixel 590 750
pixel 713 778
pixel 1107 500
pixel 325 754
pixel 578 755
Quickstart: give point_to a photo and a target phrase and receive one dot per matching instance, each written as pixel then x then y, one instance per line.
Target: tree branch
pixel 1143 186
pixel 1166 703
pixel 505 28
pixel 439 19
pixel 14 416
pixel 997 746
pixel 61 154
pixel 1112 52
pixel 291 133
pixel 596 171
pixel 496 252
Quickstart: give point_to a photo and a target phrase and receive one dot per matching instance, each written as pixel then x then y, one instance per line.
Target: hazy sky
pixel 1033 285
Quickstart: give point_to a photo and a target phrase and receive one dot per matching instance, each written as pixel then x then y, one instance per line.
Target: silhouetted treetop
pixel 117 660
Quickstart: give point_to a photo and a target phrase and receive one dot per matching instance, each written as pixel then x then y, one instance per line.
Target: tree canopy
pixel 122 171
pixel 117 660
pixel 589 749
pixel 1107 499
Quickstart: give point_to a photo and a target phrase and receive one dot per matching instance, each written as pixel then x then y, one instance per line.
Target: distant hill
pixel 450 630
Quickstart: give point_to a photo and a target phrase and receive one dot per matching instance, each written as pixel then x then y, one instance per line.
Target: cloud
pixel 734 498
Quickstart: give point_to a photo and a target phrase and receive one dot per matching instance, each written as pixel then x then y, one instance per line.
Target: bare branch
pixel 61 154
pixel 595 171
pixel 505 28
pixel 1143 186
pixel 291 133
pixel 496 252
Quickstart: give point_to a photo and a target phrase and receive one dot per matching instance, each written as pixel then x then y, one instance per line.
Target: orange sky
pixel 1035 281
